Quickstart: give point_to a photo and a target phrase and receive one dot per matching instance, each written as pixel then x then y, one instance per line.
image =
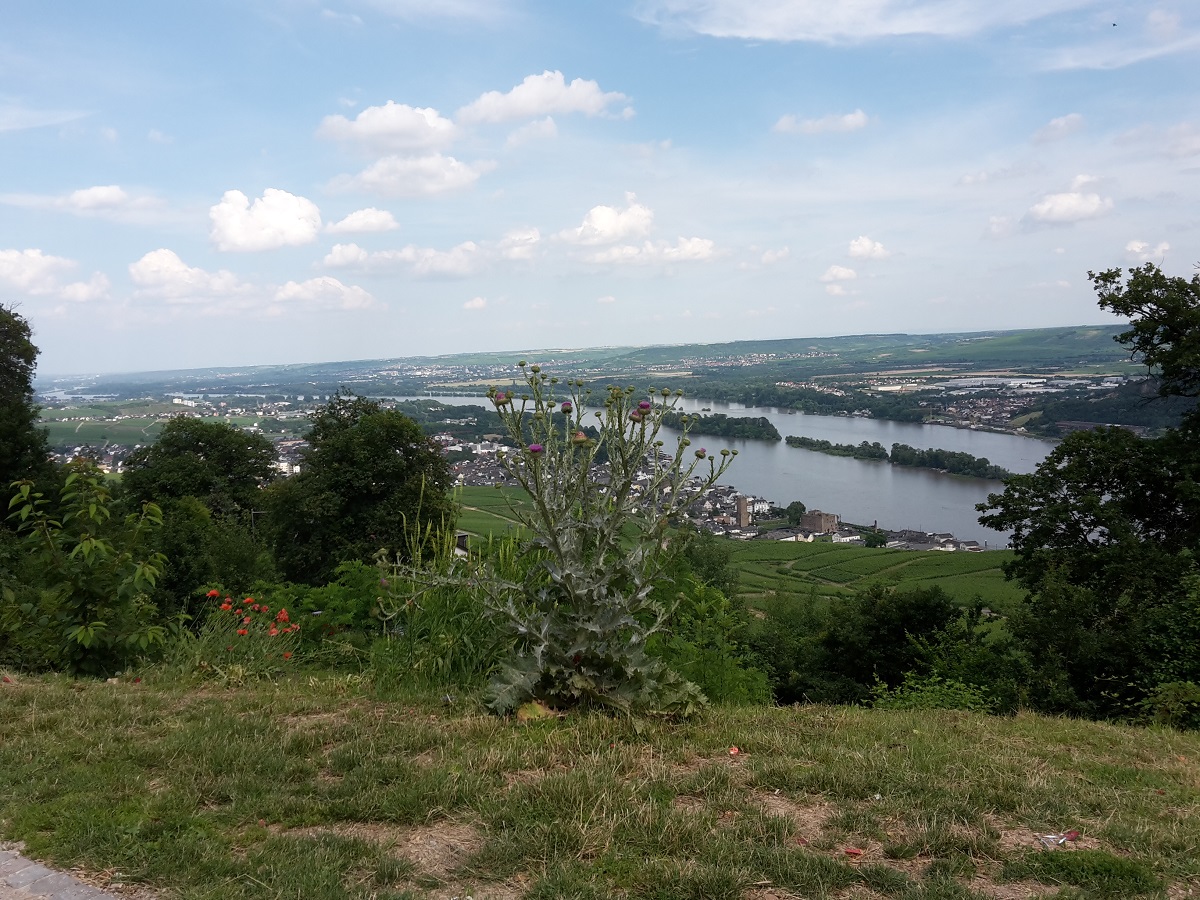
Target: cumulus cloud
pixel 276 219
pixel 999 227
pixel 607 224
pixel 161 274
pixel 476 303
pixel 770 257
pixel 1065 208
pixel 1141 251
pixel 520 244
pixel 539 130
pixel 607 298
pixel 862 247
pixel 838 273
pixel 831 22
pixel 391 127
pixel 789 124
pixel 1057 129
pixel 39 274
pixel 836 290
pixel 107 201
pixel 364 221
pixel 540 95
pixel 419 176
pixel 324 292
pixel 650 253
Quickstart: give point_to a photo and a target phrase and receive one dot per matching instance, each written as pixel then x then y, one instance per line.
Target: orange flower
pixel 226 606
pixel 247 601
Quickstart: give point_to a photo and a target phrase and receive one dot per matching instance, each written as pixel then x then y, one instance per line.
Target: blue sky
pixel 267 181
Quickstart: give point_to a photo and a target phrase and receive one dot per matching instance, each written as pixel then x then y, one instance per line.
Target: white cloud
pixel 364 221
pixel 1079 182
pixel 420 176
pixel 325 292
pixel 836 290
pixel 1073 206
pixel 1057 129
pixel 161 274
pixel 789 124
pixel 651 253
pixel 770 257
pixel 109 201
pixel 607 224
pixel 39 274
pixel 341 18
pixel 277 219
pixel 540 95
pixel 536 131
pixel 391 127
pixel 607 298
pixel 838 273
pixel 838 22
pixel 155 136
pixel 478 10
pixel 520 244
pixel 999 227
pixel 476 303
pixel 457 262
pixel 20 118
pixel 862 247
pixel 1141 251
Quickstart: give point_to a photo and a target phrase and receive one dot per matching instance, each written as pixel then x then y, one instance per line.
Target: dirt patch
pixel 770 893
pixel 1012 890
pixel 810 814
pixel 436 849
pixel 305 721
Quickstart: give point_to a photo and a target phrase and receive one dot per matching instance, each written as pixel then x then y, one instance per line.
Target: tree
pixel 795 512
pixel 23 449
pixel 1106 529
pixel 370 480
pixel 221 465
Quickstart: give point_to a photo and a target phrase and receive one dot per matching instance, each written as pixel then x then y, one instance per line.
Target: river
pixel 863 491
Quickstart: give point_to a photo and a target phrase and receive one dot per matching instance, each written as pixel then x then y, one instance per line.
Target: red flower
pixel 246 621
pixel 282 616
pixel 242 631
pixel 214 593
pixel 226 606
pixel 247 601
pixel 287 654
pixel 274 631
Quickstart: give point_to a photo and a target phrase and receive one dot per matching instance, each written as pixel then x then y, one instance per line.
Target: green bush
pixel 931 692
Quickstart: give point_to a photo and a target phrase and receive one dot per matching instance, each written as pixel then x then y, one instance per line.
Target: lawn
pixel 326 786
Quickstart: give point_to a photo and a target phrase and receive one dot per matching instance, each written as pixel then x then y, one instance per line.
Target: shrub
pixel 931 692
pixel 88 579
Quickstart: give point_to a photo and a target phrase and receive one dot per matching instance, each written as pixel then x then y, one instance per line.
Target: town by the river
pixel 864 492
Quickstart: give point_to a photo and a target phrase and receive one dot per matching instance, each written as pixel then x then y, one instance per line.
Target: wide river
pixel 863 491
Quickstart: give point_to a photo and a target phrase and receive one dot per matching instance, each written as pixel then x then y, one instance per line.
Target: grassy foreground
pixel 319 788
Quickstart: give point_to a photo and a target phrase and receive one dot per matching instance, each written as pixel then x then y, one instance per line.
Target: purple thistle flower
pixel 535 448
pixel 567 407
pixel 644 405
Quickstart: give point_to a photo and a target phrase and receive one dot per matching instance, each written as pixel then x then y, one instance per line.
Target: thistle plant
pixel 582 616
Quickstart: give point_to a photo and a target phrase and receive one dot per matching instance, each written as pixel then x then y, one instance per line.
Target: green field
pixel 779 568
pixel 783 568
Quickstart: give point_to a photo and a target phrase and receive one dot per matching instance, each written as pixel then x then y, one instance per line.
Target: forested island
pixel 865 450
pixel 949 461
pixel 758 428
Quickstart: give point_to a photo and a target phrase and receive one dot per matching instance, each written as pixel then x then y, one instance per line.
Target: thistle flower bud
pixel 644 405
pixel 567 407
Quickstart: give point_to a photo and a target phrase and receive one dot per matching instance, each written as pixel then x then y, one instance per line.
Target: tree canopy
pixel 218 464
pixel 369 480
pixel 23 449
pixel 1107 527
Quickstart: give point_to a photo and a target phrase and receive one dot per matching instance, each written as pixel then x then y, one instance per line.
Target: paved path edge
pixel 23 879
